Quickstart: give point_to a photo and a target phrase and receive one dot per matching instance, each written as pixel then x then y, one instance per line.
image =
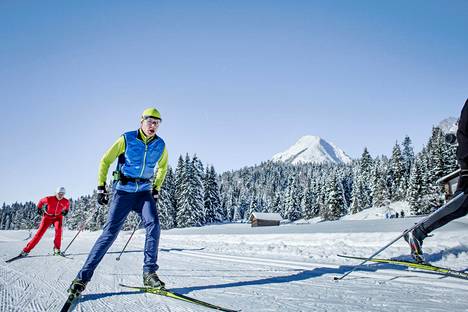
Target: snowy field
pixel 286 268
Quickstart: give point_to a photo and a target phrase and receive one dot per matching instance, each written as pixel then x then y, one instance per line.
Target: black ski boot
pixel 415 241
pixel 77 287
pixel 151 279
pixel 57 252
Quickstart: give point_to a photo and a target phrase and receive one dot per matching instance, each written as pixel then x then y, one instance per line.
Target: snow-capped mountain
pixel 313 149
pixel 448 125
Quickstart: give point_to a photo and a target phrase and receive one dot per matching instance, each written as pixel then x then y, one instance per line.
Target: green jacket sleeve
pixel 161 170
pixel 108 158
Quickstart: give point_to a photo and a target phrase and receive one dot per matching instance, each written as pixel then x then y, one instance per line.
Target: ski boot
pixel 57 252
pixel 24 253
pixel 415 241
pixel 151 279
pixel 76 287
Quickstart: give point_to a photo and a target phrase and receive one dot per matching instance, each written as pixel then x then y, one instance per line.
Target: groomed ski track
pixel 224 275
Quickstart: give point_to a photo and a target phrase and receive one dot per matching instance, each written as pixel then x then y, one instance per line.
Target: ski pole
pixel 454 201
pixel 128 241
pixel 83 225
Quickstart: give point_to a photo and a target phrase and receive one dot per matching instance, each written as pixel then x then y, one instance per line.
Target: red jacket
pixel 54 206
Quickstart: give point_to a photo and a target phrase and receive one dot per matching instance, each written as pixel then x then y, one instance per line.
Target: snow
pixel 449 125
pixel 313 149
pixel 380 212
pixel 285 268
pixel 267 216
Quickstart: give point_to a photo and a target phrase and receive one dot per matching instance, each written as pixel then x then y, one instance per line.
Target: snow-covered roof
pixel 449 177
pixel 266 216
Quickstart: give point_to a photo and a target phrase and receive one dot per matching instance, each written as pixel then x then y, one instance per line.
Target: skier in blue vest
pixel 141 169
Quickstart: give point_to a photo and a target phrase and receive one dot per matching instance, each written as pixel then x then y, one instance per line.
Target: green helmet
pixel 151 112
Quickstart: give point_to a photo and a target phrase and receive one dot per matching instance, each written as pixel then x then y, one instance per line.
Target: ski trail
pixel 406 276
pixel 19 291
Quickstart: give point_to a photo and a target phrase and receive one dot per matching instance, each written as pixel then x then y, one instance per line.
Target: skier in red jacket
pixel 52 209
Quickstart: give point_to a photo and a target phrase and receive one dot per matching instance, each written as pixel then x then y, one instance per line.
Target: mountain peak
pixel 449 124
pixel 313 149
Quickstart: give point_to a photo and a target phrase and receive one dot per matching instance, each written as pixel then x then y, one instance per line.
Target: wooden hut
pixel 265 219
pixel 449 182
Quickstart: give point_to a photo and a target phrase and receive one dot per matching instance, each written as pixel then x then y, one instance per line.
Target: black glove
pixel 463 181
pixel 64 212
pixel 102 195
pixel 41 211
pixel 155 194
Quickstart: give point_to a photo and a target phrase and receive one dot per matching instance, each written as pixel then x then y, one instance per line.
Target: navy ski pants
pixel 124 202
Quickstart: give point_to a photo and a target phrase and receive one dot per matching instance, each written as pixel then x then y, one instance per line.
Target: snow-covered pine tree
pixel 167 202
pixel 310 209
pixel 378 185
pixel 397 169
pixel 334 202
pixel 365 164
pixel 198 191
pixel 361 194
pixel 277 204
pixel 236 206
pixel 190 212
pixel 415 189
pixel 180 176
pixel 426 177
pixel 357 201
pixel 365 170
pixel 436 149
pixel 450 158
pixel 212 200
pixel 183 193
pixel 253 207
pixel 293 200
pixel 408 156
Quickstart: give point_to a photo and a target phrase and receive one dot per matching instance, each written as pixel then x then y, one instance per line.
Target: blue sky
pixel 235 81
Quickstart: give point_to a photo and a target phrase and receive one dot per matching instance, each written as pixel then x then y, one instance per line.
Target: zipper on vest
pixel 144 161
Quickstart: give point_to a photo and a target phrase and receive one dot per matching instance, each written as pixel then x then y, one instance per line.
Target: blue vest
pixel 139 161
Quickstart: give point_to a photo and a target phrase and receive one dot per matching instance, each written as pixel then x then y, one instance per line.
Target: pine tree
pixel 167 203
pixel 191 210
pixel 364 175
pixel 234 214
pixel 357 202
pixel 212 200
pixel 415 189
pixel 277 204
pixel 361 193
pixel 450 158
pixel 379 186
pixel 365 164
pixel 180 177
pixel 397 173
pixel 198 191
pixel 334 201
pixel 183 194
pixel 308 205
pixel 293 200
pixel 407 155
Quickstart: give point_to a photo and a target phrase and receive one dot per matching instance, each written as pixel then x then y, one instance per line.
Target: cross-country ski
pixel 170 294
pixel 415 265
